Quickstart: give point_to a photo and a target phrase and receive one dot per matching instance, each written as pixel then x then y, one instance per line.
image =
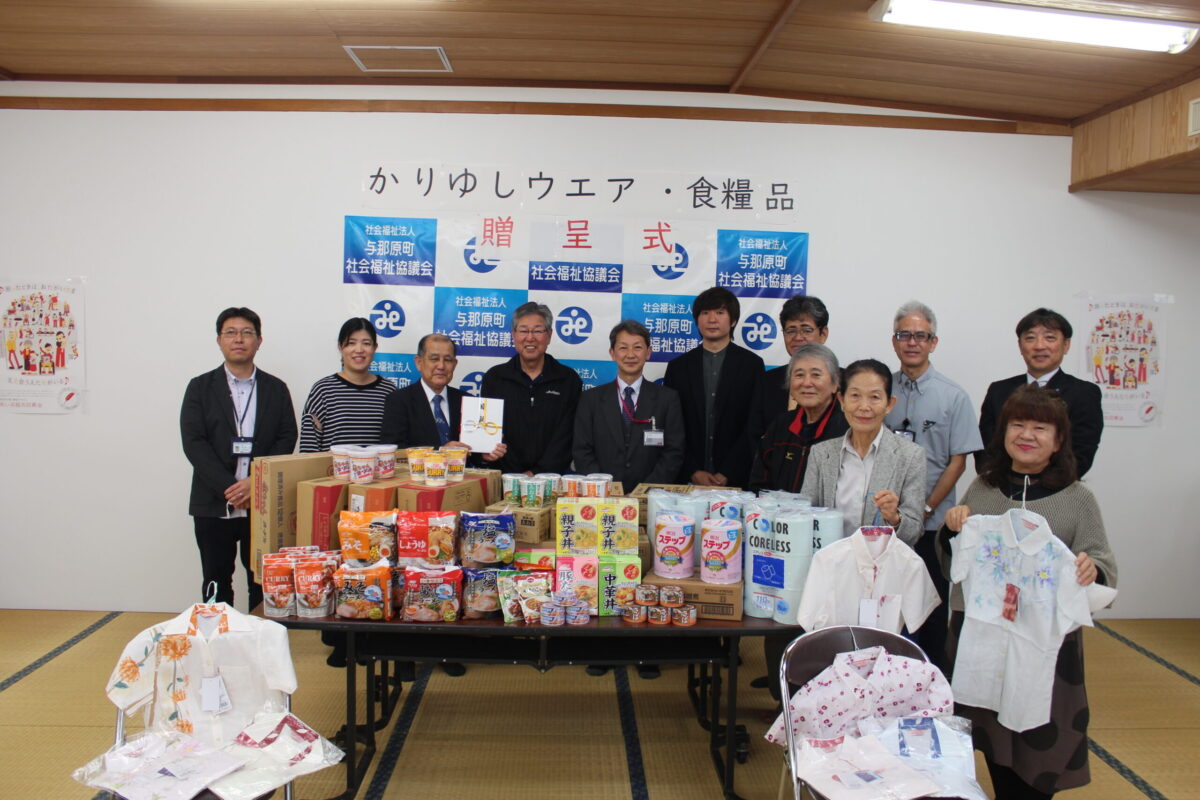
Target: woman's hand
pixel 1085 569
pixel 956 517
pixel 888 503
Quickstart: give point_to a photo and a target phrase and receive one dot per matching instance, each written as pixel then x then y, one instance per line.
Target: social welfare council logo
pixel 388 318
pixel 480 265
pixel 759 331
pixel 676 265
pixel 573 325
pixel 472 383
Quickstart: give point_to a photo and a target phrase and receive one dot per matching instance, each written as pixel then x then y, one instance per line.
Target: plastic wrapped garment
pixel 940 749
pixel 158 766
pixel 859 769
pixel 277 748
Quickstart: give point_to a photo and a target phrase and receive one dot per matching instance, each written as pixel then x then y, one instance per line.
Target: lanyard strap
pixel 246 408
pixel 628 410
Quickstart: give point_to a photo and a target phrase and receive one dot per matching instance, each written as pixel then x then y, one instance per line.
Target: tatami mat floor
pixel 510 732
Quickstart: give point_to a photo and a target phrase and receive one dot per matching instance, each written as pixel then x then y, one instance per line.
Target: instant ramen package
pixel 367 536
pixel 481 594
pixel 488 540
pixel 425 538
pixel 364 592
pixel 431 594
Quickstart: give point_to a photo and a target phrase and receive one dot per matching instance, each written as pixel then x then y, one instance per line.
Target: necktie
pixel 627 407
pixel 439 419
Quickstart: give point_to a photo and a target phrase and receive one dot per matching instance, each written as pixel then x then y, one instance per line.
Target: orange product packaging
pixel 432 594
pixel 364 592
pixel 314 585
pixel 279 586
pixel 367 535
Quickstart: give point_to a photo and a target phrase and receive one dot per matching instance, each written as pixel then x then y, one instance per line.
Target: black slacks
pixel 220 541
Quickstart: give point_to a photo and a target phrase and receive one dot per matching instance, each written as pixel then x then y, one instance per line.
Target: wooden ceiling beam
pixel 768 36
pixel 5 75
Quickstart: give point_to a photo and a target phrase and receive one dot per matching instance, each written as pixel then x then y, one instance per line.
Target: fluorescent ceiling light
pixel 1039 22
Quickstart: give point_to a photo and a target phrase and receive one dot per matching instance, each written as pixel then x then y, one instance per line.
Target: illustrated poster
pixel 1125 357
pixel 43 346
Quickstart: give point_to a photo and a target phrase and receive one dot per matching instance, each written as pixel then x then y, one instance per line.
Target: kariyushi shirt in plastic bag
pixel 277 748
pixel 158 766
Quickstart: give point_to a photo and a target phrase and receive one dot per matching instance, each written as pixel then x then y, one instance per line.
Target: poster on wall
pixel 441 249
pixel 43 345
pixel 1125 356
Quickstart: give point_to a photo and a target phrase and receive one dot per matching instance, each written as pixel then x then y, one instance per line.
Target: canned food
pixel 533 493
pixel 572 485
pixel 658 615
pixel 633 613
pixel 670 596
pixel 645 594
pixel 578 614
pixel 683 615
pixel 553 614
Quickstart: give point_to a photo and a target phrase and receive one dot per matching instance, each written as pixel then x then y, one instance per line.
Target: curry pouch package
pixel 364 592
pixel 425 538
pixel 481 594
pixel 314 585
pixel 367 536
pixel 488 541
pixel 533 589
pixel 510 601
pixel 431 594
pixel 279 586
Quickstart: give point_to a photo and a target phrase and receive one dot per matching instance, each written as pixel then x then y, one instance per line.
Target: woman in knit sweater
pixel 1032 466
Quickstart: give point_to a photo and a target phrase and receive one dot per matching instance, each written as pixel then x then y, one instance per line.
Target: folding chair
pixel 806 657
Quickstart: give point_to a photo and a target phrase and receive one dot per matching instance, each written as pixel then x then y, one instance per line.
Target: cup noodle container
pixel 456 464
pixel 341 461
pixel 720 551
pixel 362 465
pixel 385 461
pixel 435 469
pixel 674 536
pixel 572 485
pixel 416 463
pixel 554 481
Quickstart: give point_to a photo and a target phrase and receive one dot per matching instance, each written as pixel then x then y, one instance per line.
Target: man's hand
pixel 238 495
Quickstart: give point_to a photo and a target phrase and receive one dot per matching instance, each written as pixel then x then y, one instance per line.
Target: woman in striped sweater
pixel 347 407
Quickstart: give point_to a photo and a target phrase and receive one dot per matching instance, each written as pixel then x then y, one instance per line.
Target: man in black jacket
pixel 631 428
pixel 539 394
pixel 1044 337
pixel 715 384
pixel 231 415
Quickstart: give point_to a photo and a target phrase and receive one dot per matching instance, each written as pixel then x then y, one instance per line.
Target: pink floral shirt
pixel 865 683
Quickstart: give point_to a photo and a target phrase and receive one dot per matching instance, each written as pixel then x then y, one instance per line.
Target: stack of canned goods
pixel 565 607
pixel 659 605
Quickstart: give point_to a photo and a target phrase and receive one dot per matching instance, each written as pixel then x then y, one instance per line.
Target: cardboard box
pixel 273 503
pixel 374 496
pixel 318 503
pixel 492 486
pixel 534 525
pixel 641 489
pixel 465 496
pixel 712 600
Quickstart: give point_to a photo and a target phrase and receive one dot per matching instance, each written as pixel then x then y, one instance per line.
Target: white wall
pixel 173 216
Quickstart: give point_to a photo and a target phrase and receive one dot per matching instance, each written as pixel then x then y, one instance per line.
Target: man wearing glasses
pixel 936 413
pixel 231 415
pixel 539 394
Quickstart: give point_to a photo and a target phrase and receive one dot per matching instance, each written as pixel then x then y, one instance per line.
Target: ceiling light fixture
pixel 1040 22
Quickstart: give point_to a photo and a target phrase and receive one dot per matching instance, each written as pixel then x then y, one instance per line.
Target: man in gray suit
pixel 631 428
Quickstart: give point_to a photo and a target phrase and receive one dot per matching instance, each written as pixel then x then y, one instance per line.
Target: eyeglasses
pixel 234 333
pixel 532 331
pixel 920 336
pixel 792 331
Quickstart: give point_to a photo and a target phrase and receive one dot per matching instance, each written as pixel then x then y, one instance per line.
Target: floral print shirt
pixel 163 669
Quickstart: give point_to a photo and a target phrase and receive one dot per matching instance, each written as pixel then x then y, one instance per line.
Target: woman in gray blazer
pixel 870 469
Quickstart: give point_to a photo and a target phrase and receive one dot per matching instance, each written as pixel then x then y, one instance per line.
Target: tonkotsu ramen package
pixel 367 536
pixel 431 594
pixel 364 592
pixel 488 541
pixel 425 538
pixel 481 594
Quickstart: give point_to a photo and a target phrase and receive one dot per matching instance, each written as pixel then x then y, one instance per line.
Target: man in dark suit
pixel 231 415
pixel 715 384
pixel 631 428
pixel 1044 337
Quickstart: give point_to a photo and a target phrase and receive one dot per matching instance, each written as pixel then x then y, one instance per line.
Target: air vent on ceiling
pixel 397 58
pixel 1194 117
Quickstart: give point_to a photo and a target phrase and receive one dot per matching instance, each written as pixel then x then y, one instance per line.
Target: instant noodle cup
pixel 362 465
pixel 341 461
pixel 456 464
pixel 595 487
pixel 367 536
pixel 364 592
pixel 673 542
pixel 579 577
pixel 619 579
pixel 533 492
pixel 432 594
pixel 481 594
pixel 510 483
pixel 279 586
pixel 554 484
pixel 602 476
pixel 435 469
pixel 572 485
pixel 416 463
pixel 385 461
pixel 720 551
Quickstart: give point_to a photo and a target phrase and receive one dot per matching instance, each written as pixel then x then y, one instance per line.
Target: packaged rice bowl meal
pixel 488 540
pixel 367 535
pixel 619 578
pixel 432 594
pixel 579 578
pixel 481 594
pixel 577 526
pixel 618 526
pixel 364 592
pixel 279 585
pixel 314 585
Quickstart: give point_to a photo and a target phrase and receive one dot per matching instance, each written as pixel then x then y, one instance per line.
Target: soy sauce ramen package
pixel 488 541
pixel 425 538
pixel 431 594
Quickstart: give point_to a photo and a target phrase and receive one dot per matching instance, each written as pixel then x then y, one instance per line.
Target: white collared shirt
pixel 1042 381
pixel 854 476
pixel 637 392
pixel 430 394
pixel 242 393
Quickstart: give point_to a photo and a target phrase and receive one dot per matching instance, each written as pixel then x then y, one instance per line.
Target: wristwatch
pixel 928 509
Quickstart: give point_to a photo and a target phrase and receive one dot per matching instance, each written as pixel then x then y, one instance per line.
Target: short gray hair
pixel 533 309
pixel 920 309
pixel 818 351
